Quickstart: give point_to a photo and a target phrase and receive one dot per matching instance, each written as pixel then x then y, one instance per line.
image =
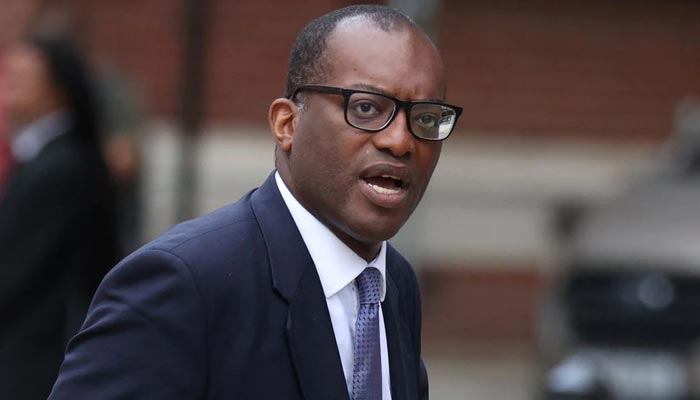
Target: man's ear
pixel 282 116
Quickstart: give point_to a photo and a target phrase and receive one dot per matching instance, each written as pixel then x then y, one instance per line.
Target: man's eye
pixel 365 108
pixel 427 120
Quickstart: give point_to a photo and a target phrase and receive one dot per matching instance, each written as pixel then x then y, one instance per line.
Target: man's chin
pixel 377 231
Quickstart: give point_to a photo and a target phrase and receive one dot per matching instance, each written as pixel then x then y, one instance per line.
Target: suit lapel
pixel 396 345
pixel 309 329
pixel 312 342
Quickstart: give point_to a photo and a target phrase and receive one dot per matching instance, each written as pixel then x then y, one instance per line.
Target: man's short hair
pixel 308 61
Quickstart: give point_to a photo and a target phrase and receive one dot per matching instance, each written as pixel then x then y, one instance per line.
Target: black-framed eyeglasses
pixel 373 112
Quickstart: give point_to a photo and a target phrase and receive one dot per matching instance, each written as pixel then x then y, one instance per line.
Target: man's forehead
pixel 362 52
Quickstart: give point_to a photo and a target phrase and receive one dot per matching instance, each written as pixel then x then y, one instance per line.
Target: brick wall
pixel 601 69
pixel 597 69
pixel 250 43
pixel 143 39
pixel 247 45
pixel 482 305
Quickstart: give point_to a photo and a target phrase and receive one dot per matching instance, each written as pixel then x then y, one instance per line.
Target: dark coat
pixel 229 306
pixel 56 244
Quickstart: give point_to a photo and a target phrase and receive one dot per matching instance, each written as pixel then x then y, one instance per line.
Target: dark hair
pixel 308 62
pixel 69 73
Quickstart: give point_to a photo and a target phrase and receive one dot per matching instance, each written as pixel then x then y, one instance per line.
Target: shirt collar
pixel 28 142
pixel 336 263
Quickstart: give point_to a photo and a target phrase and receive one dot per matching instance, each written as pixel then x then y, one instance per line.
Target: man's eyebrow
pixel 371 88
pixel 377 89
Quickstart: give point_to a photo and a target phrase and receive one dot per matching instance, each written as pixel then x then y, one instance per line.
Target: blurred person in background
pixel 57 235
pixel 120 112
pixel 15 15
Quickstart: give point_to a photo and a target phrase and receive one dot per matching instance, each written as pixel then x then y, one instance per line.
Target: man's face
pixel 363 185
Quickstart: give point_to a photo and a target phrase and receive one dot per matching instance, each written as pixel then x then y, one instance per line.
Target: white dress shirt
pixel 337 267
pixel 28 142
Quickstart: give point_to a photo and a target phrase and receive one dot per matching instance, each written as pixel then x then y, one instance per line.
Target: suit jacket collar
pixel 286 249
pixel 398 347
pixel 309 329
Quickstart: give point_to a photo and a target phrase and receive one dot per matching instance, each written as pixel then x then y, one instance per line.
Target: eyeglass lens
pixel 372 112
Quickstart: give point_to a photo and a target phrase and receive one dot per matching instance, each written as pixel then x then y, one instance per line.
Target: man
pixel 258 300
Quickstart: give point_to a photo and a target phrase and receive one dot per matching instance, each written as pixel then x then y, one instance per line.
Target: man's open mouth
pixel 385 184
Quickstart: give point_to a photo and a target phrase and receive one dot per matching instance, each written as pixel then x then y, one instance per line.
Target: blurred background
pixel 538 257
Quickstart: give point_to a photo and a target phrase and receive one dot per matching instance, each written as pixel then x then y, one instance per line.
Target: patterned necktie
pixel 367 367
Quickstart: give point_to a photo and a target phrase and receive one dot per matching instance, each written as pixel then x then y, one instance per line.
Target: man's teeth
pixel 384 190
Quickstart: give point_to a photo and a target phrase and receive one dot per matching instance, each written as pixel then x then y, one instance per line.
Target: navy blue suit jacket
pixel 229 306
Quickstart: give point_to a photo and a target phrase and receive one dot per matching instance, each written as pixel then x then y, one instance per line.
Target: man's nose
pixel 396 138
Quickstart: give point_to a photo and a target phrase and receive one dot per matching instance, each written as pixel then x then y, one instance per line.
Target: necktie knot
pixel 369 284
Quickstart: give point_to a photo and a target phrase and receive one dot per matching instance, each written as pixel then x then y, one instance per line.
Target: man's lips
pixel 385 184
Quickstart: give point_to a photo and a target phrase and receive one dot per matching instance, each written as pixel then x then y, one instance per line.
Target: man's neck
pixel 368 251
